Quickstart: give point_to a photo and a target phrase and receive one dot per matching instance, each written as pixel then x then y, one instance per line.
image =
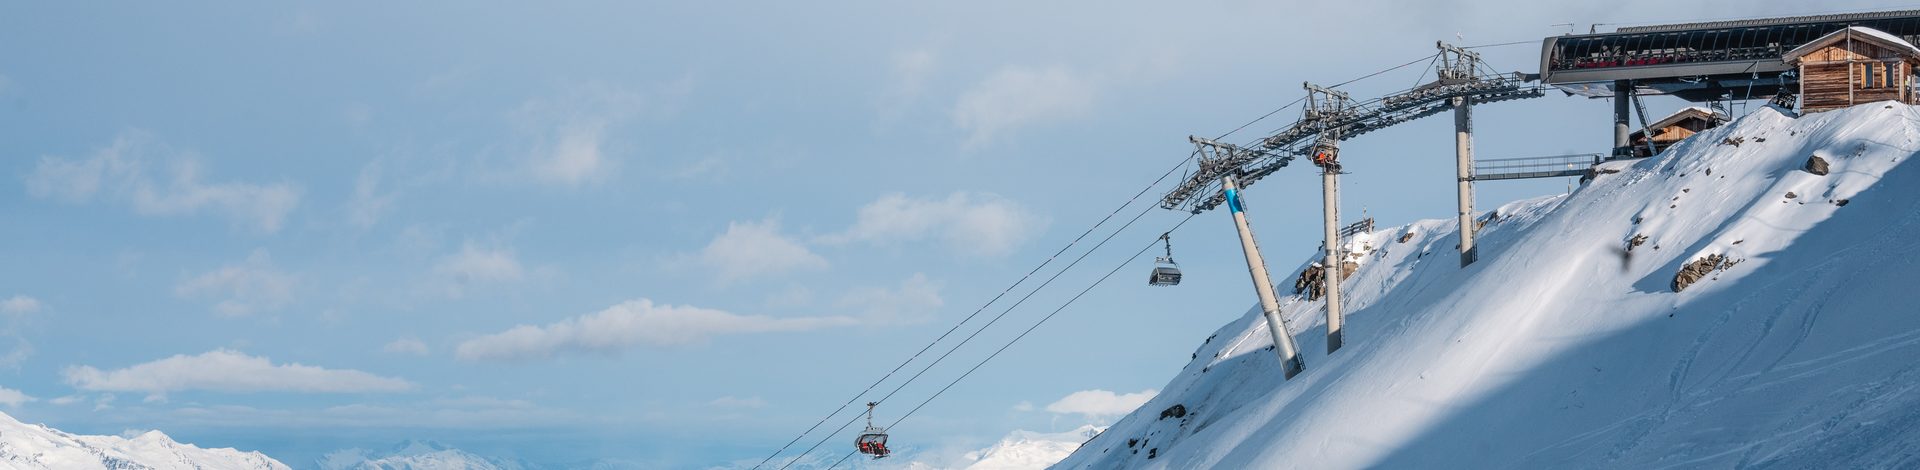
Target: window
pixel 1867 74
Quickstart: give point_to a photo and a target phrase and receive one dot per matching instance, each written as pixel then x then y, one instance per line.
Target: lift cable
pixel 1261 118
pixel 1534 41
pixel 1023 334
pixel 1390 69
pixel 983 328
pixel 1023 279
pixel 976 312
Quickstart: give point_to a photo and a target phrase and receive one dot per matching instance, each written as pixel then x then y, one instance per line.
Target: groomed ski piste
pixel 1561 347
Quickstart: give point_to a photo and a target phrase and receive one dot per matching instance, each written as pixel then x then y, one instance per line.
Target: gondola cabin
pixel 1853 66
pixel 1675 128
pixel 1165 273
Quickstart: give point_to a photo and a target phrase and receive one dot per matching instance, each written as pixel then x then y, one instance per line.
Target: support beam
pixel 1463 170
pixel 1330 197
pixel 1290 360
pixel 1622 137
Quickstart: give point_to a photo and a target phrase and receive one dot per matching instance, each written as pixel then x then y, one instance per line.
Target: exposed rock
pixel 1816 165
pixel 1312 282
pixel 1700 268
pixel 1791 195
pixel 1637 240
pixel 1175 411
pixel 1406 236
pixel 1840 202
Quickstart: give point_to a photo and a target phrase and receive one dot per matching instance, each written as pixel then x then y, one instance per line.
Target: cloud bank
pixel 121 172
pixel 627 325
pixel 224 370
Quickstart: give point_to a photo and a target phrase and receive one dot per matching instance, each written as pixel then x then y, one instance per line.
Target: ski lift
pixel 873 441
pixel 1165 271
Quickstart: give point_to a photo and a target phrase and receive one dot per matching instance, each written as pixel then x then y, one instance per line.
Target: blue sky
pixel 669 233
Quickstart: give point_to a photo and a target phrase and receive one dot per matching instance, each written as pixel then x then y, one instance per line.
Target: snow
pixel 1888 37
pixel 1019 450
pixel 34 446
pixel 1563 348
pixel 1024 450
pixel 411 455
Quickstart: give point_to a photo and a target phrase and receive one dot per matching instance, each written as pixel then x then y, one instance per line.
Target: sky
pixel 673 235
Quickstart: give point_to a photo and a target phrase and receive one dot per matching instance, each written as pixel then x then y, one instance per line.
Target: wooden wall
pixel 1835 77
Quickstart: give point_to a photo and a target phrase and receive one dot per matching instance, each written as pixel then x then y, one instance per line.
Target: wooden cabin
pixel 1852 66
pixel 1675 128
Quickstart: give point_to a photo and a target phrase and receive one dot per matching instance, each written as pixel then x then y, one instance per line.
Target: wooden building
pixel 1852 66
pixel 1675 128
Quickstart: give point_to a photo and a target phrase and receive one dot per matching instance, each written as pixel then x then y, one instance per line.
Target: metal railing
pixel 1534 167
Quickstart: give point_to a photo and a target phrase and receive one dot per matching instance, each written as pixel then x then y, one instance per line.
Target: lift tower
pixel 1456 66
pixel 1324 105
pixel 1227 169
pixel 1222 161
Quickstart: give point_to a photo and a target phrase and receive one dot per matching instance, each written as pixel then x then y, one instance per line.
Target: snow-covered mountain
pixel 1567 344
pixel 1019 450
pixel 1024 450
pixel 36 446
pixel 412 455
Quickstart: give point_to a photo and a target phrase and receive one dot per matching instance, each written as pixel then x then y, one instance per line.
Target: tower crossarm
pixel 1332 113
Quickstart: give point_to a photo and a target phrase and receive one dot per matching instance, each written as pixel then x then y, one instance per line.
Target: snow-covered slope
pixel 1563 348
pixel 36 446
pixel 412 455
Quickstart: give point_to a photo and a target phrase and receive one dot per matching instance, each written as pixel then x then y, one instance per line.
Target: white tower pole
pixel 1330 198
pixel 1463 169
pixel 1263 285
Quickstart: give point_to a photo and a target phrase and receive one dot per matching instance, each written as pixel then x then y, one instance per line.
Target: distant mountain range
pixel 36 446
pixel 414 455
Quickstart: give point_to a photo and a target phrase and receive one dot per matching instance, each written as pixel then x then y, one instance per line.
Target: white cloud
pixel 245 288
pixel 476 264
pixel 13 398
pixel 753 249
pixel 906 81
pixel 709 168
pixel 368 204
pixel 67 400
pixel 1019 96
pixel 1095 404
pixel 1023 406
pixel 119 172
pixel 627 325
pixel 224 370
pixel 406 346
pixel 571 131
pixel 19 305
pixel 979 224
pixel 13 313
pixel 731 402
pixel 915 300
pixel 574 157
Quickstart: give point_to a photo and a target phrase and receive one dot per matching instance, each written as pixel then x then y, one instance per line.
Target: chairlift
pixel 873 441
pixel 1165 271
